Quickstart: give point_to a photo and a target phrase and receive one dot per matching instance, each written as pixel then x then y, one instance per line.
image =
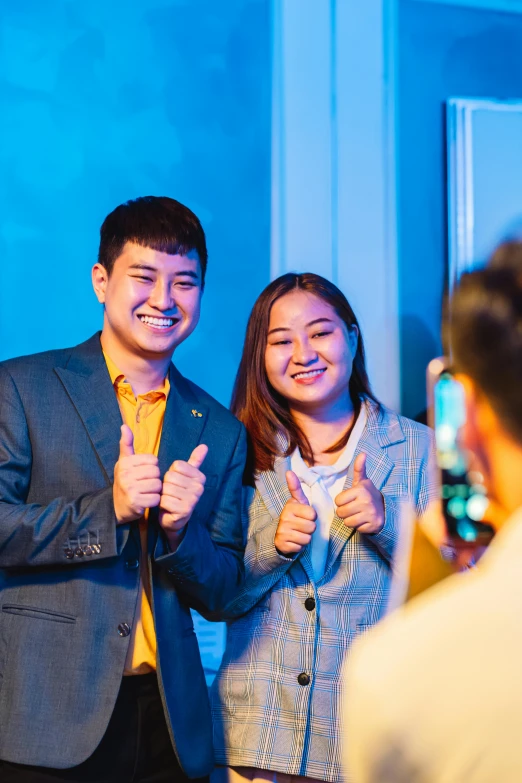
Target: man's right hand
pixel 137 482
pixel 297 520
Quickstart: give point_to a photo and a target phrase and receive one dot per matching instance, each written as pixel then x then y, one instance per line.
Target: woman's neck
pixel 325 426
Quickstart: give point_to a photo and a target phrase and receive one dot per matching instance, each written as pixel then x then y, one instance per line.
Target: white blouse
pixel 321 484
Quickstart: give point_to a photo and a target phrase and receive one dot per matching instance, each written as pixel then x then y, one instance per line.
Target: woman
pixel 331 467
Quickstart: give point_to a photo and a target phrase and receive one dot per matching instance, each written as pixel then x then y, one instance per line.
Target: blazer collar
pixel 87 382
pixel 383 428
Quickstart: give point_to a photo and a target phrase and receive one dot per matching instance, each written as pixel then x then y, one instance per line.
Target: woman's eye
pixel 321 334
pixel 281 342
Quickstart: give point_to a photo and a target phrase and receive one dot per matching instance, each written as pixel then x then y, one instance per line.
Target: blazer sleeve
pixel 207 567
pixel 423 488
pixel 264 566
pixel 34 535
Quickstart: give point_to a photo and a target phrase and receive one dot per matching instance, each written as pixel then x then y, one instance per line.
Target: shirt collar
pixel 117 377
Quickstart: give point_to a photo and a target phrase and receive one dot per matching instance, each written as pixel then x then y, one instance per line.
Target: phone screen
pixel 464 500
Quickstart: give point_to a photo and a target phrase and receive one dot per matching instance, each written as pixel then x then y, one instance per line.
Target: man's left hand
pixel 361 506
pixel 183 486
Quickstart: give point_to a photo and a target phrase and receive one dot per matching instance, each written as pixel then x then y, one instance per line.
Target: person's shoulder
pixel 423 631
pixel 35 363
pixel 394 422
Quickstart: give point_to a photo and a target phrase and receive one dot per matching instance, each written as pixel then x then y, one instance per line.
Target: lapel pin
pixel 196 413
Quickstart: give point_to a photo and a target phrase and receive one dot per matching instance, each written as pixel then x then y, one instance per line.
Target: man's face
pixel 152 300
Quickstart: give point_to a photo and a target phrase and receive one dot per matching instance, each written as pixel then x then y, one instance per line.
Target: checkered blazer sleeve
pixel 264 566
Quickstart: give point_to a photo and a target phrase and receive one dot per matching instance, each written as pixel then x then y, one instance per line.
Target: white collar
pixel 311 474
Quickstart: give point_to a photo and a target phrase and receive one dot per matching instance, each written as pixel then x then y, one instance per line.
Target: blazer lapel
pixel 184 422
pixel 88 384
pixel 381 430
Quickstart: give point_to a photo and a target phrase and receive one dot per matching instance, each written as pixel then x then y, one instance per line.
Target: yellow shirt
pixel 144 415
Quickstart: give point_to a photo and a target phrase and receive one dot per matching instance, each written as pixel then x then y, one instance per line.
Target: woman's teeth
pixel 160 323
pixel 309 374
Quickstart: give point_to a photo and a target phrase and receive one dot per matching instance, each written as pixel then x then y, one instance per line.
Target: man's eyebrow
pixel 187 273
pixel 143 266
pixel 312 323
pixel 149 268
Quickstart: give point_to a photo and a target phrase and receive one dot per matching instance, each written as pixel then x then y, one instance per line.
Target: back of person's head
pixel 158 222
pixel 485 333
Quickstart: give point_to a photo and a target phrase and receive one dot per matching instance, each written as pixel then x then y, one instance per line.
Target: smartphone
pixel 463 495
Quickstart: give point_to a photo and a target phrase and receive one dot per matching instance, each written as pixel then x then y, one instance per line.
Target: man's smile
pixel 161 323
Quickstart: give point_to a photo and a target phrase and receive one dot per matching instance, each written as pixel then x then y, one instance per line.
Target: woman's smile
pixel 307 377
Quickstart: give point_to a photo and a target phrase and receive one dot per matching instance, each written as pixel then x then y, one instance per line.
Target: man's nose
pixel 161 296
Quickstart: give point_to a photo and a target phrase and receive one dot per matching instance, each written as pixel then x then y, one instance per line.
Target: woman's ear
pixel 99 281
pixel 353 339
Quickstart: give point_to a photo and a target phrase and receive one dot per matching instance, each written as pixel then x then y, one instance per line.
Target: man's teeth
pixel 309 374
pixel 164 323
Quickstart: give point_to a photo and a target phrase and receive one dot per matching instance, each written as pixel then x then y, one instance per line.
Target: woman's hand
pixel 297 521
pixel 361 506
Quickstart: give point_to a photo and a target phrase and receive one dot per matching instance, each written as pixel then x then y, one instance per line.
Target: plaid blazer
pixel 275 700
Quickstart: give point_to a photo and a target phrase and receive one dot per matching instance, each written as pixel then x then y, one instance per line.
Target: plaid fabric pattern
pixel 263 716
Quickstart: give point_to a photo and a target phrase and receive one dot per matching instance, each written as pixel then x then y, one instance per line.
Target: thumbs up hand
pixel 137 483
pixel 297 521
pixel 183 485
pixel 361 506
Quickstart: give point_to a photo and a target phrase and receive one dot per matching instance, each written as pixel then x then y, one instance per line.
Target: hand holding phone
pixel 463 495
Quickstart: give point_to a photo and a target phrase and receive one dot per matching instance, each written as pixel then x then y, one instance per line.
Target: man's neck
pixel 505 461
pixel 142 373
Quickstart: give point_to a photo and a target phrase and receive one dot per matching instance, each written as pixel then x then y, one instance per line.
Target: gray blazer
pixel 69 575
pixel 275 700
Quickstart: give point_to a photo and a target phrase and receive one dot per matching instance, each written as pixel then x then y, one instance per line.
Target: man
pixel 435 692
pixel 120 488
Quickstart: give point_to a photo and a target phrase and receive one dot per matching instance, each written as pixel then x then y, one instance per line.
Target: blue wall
pixel 105 101
pixel 444 51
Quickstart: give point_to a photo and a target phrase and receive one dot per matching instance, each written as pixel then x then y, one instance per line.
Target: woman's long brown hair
pixel 265 412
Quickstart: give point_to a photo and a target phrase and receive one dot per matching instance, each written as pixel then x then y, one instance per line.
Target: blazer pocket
pixel 38 614
pixel 394 490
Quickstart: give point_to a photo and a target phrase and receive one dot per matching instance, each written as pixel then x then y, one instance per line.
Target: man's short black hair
pixel 484 326
pixel 158 222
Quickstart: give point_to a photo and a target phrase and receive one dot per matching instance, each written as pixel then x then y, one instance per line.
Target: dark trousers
pixel 136 747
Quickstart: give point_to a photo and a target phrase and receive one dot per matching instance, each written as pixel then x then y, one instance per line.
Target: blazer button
pixel 310 603
pixel 124 630
pixel 132 565
pixel 303 679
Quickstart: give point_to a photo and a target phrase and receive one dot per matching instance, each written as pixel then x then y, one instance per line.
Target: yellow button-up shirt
pixel 144 414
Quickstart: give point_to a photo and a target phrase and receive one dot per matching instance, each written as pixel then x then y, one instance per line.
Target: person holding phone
pixel 330 467
pixel 435 693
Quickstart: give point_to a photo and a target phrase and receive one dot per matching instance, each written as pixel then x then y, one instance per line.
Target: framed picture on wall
pixel 484 143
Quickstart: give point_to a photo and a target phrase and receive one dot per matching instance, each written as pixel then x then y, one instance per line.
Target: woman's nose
pixel 304 353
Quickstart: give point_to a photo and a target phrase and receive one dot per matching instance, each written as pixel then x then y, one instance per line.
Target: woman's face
pixel 309 352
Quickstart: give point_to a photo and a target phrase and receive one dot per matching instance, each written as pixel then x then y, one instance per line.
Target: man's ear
pixel 99 281
pixel 480 425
